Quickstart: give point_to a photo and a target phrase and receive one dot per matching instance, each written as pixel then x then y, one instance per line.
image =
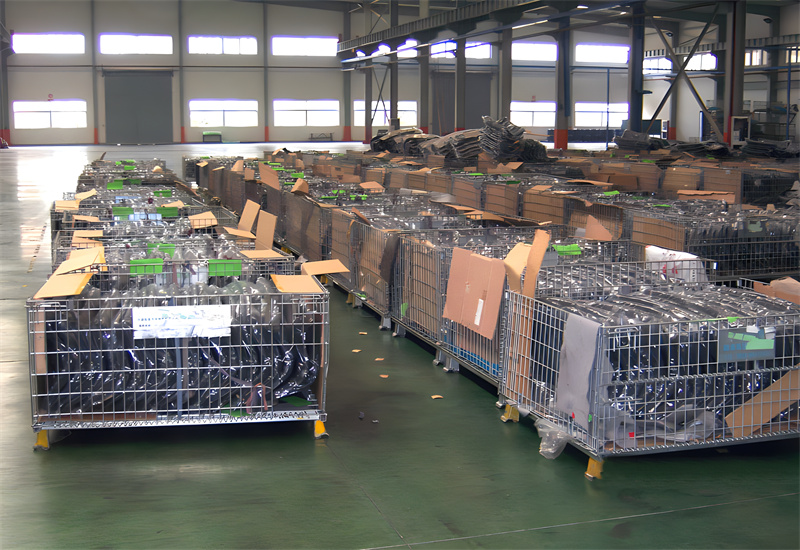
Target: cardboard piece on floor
pixel 262 254
pixel 300 187
pixel 85 195
pixel 541 241
pixel 69 284
pixel 238 166
pixel 785 288
pixel 475 291
pixel 515 262
pixel 79 218
pixel 80 259
pixel 360 216
pixel 268 176
pixel 766 405
pixel 303 284
pixel 62 206
pixel 595 231
pixel 372 186
pixel 204 219
pixel 173 204
pixel 323 267
pixel 265 230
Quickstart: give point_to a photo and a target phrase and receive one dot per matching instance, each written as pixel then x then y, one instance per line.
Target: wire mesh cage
pixel 662 370
pixel 241 353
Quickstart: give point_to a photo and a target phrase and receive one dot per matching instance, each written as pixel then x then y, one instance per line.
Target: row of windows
pixel 237 113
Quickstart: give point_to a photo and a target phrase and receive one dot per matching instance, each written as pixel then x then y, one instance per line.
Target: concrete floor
pixel 443 473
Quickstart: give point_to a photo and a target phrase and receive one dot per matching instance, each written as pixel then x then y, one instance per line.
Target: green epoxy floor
pixel 443 473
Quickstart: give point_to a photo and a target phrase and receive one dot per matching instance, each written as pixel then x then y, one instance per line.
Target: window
pixel 474 50
pixel 533 113
pixel 315 112
pixel 657 65
pixel 58 113
pixel 754 58
pixel 48 43
pixel 237 113
pixel 702 62
pixel 150 44
pixel 601 53
pixel 319 46
pixel 227 45
pixel 406 112
pixel 534 51
pixel 594 115
pixel 793 55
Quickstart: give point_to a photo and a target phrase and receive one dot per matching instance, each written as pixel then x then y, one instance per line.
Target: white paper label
pixel 181 321
pixel 478 313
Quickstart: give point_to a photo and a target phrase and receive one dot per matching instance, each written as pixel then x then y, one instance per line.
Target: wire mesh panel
pixel 369 248
pixel 577 212
pixel 543 206
pixel 149 358
pixel 307 227
pixel 657 371
pixel 502 197
pixel 341 247
pixel 468 192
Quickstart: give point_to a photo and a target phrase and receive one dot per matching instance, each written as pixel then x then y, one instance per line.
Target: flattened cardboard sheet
pixel 456 281
pixel 323 267
pixel 541 187
pixel 595 231
pixel 361 216
pixel 372 186
pixel 262 254
pixel 249 174
pixel 85 195
pixel 591 182
pixel 541 241
pixel 204 219
pixel 249 215
pixel 173 204
pixel 300 187
pixel 81 259
pixel 69 284
pixel 766 405
pixel 239 233
pixel 268 176
pixel 66 206
pixel 475 291
pixel 202 164
pixel 785 288
pixel 90 219
pixel 297 284
pixel 88 233
pixel 689 194
pixel 265 230
pixel 238 166
pixel 515 263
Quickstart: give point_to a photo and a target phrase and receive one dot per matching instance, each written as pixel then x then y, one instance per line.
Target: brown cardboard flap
pixel 81 259
pixel 265 230
pixel 239 233
pixel 595 231
pixel 85 195
pixel 238 166
pixel 65 206
pixel 481 215
pixel 175 204
pixel 299 165
pixel 372 186
pixel 688 194
pixel 300 187
pixel 766 405
pixel 323 267
pixel 204 219
pixel 249 174
pixel 202 164
pixel 460 208
pixel 79 218
pixel 360 216
pixel 297 284
pixel 268 176
pixel 218 168
pixel 504 168
pixel 785 288
pixel 349 178
pixel 541 187
pixel 515 263
pixel 541 241
pixel 456 281
pixel 249 215
pixel 69 284
pixel 592 182
pixel 262 254
pixel 88 233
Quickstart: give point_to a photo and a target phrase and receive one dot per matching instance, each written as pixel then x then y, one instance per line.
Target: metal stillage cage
pixel 655 371
pixel 201 355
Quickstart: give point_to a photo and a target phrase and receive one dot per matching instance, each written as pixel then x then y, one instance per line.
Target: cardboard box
pixel 785 288
pixel 475 291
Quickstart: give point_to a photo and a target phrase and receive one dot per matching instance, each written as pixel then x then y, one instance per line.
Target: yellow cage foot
pixel 42 441
pixel 511 413
pixel 319 429
pixel 594 470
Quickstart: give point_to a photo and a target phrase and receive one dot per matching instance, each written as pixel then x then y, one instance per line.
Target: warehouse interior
pixel 400 127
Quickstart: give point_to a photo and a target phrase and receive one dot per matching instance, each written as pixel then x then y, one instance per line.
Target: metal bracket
pixel 386 323
pixel 511 413
pixel 42 441
pixel 594 470
pixel 450 364
pixel 399 331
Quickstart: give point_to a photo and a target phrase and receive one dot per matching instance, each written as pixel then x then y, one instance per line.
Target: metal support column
pixel 505 72
pixel 734 65
pixel 5 103
pixel 394 72
pixel 563 86
pixel 266 71
pixel 347 84
pixel 423 108
pixel 368 101
pixel 461 85
pixel 95 107
pixel 181 89
pixel 635 69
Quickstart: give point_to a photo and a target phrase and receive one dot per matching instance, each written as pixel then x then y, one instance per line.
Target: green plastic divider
pixel 328 197
pixel 147 266
pixel 568 249
pixel 163 193
pixel 610 193
pixel 476 174
pixel 128 161
pixel 512 182
pixel 115 184
pixel 121 210
pixel 224 268
pixel 403 309
pixel 663 205
pixel 118 163
pixel 273 163
pixel 168 211
pixel 128 167
pixel 168 248
pixel 298 175
pixel 135 181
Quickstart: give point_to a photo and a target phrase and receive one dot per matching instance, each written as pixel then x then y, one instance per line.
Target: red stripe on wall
pixel 266 133
pixel 347 134
pixel 96 139
pixel 183 134
pixel 560 138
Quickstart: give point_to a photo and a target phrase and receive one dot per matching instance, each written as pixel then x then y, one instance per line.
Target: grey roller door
pixel 478 97
pixel 138 106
